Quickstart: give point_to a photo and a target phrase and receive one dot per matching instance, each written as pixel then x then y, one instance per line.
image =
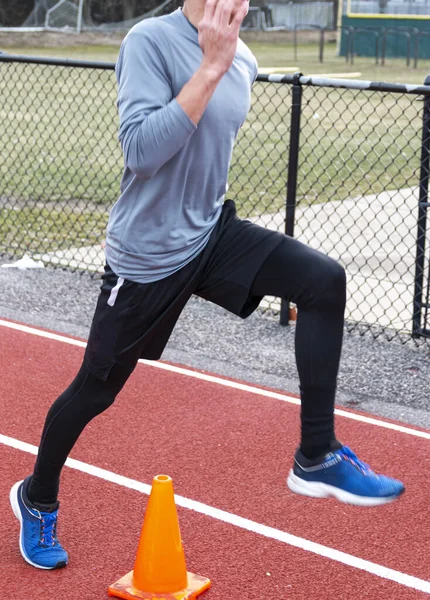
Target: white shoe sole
pixel 13 497
pixel 322 490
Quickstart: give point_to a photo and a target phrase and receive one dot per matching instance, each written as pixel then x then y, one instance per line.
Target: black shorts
pixel 135 320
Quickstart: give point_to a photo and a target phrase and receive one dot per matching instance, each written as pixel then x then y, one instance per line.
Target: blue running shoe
pixel 38 541
pixel 341 475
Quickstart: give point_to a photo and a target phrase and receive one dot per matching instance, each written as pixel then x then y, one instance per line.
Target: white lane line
pixel 226 383
pixel 240 522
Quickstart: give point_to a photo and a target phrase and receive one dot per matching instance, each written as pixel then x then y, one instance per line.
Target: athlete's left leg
pixel 317 284
pixel 248 262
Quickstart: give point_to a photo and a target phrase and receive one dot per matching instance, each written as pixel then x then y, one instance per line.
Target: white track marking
pixel 240 522
pixel 225 382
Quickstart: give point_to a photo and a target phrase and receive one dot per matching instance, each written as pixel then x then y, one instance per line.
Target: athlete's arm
pixel 218 37
pixel 153 125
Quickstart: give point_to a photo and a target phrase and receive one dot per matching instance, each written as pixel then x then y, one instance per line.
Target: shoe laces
pixel 48 529
pixel 348 454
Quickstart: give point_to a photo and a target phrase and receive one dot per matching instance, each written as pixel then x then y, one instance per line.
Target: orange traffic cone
pixel 159 570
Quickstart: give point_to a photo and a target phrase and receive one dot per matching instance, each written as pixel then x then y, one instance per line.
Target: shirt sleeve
pixel 153 126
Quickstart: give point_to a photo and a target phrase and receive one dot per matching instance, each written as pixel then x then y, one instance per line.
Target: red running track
pixel 226 448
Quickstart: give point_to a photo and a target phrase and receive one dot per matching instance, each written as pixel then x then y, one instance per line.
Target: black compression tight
pixel 85 398
pixel 315 283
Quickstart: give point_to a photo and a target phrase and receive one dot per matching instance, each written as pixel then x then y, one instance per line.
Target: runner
pixel 184 92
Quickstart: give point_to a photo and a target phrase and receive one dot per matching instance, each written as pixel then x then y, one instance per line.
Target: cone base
pixel 124 588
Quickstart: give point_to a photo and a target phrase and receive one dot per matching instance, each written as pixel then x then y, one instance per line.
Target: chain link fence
pixel 341 165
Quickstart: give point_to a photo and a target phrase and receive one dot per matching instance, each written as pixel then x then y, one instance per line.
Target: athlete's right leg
pixel 131 321
pixel 34 500
pixel 85 398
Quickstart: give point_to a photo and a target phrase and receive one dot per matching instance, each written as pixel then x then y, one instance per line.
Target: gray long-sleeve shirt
pixel 175 173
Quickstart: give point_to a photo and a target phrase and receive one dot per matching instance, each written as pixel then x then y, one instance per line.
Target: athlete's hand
pixel 219 33
pixel 218 36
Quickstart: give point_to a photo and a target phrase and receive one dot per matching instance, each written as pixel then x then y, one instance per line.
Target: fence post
pixel 416 47
pixel 321 57
pixel 80 11
pixel 295 42
pixel 293 161
pixel 423 204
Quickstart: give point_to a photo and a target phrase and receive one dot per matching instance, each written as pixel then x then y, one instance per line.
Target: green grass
pixel 282 55
pixel 38 230
pixel 58 128
pixel 270 55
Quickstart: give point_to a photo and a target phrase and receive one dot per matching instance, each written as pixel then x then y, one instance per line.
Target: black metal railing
pixel 340 164
pixel 421 322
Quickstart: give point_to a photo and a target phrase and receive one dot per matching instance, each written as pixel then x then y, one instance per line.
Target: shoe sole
pixel 13 498
pixel 315 489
